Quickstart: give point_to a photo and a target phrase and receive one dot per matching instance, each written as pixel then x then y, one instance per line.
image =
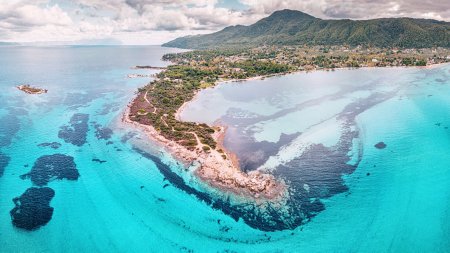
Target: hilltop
pixel 289 27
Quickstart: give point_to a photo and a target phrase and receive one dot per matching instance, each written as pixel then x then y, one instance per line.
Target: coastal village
pixel 313 58
pixel 157 105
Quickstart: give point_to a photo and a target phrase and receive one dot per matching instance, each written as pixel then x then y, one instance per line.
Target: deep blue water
pixel 74 179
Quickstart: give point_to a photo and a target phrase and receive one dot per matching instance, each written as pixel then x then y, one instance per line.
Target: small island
pixel 380 145
pixel 31 90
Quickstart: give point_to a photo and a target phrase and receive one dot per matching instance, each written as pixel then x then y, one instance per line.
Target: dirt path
pixel 199 143
pixel 146 99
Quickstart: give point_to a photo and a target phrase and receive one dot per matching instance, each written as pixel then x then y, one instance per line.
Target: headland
pixel 157 105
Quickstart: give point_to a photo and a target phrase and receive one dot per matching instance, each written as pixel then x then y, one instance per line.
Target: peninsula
pixel 156 108
pixel 157 105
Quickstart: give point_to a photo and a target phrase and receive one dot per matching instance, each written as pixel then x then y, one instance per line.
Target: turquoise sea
pixel 365 152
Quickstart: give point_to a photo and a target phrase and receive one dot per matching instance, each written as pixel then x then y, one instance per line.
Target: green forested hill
pixel 288 27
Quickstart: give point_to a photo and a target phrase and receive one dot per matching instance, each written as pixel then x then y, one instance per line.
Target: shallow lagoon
pixel 396 199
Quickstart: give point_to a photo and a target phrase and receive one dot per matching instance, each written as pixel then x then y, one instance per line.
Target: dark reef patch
pixel 98 160
pixel 254 154
pixel 380 145
pixel 173 177
pixel 76 131
pixel 4 161
pixel 102 133
pixel 128 136
pixel 50 167
pixel 265 219
pixel 32 209
pixel 53 145
pixel 315 175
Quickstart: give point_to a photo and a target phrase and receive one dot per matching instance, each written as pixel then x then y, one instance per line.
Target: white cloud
pixel 156 21
pixel 27 15
pixel 313 7
pixel 357 9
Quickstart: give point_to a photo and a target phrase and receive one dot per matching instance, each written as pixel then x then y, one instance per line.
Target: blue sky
pixel 232 4
pixel 152 22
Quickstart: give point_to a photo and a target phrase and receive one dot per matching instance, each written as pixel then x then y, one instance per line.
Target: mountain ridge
pixel 290 27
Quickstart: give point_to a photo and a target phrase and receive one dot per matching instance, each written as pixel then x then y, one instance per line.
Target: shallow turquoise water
pixel 125 205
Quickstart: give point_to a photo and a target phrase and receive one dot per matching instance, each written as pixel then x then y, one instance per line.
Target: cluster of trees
pixel 357 60
pixel 175 86
pixel 251 68
pixel 204 55
pixel 413 62
pixel 178 84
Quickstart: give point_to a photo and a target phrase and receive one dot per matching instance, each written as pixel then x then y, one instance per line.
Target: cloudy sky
pixel 156 21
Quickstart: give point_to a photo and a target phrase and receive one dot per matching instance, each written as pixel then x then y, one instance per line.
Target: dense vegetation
pixel 289 27
pixel 158 102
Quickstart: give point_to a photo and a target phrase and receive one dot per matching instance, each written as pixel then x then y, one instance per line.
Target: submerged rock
pixel 50 167
pixel 98 160
pixel 380 145
pixel 53 145
pixel 76 131
pixel 102 133
pixel 32 209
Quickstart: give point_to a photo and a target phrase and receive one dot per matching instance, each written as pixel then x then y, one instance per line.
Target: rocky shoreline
pixel 216 169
